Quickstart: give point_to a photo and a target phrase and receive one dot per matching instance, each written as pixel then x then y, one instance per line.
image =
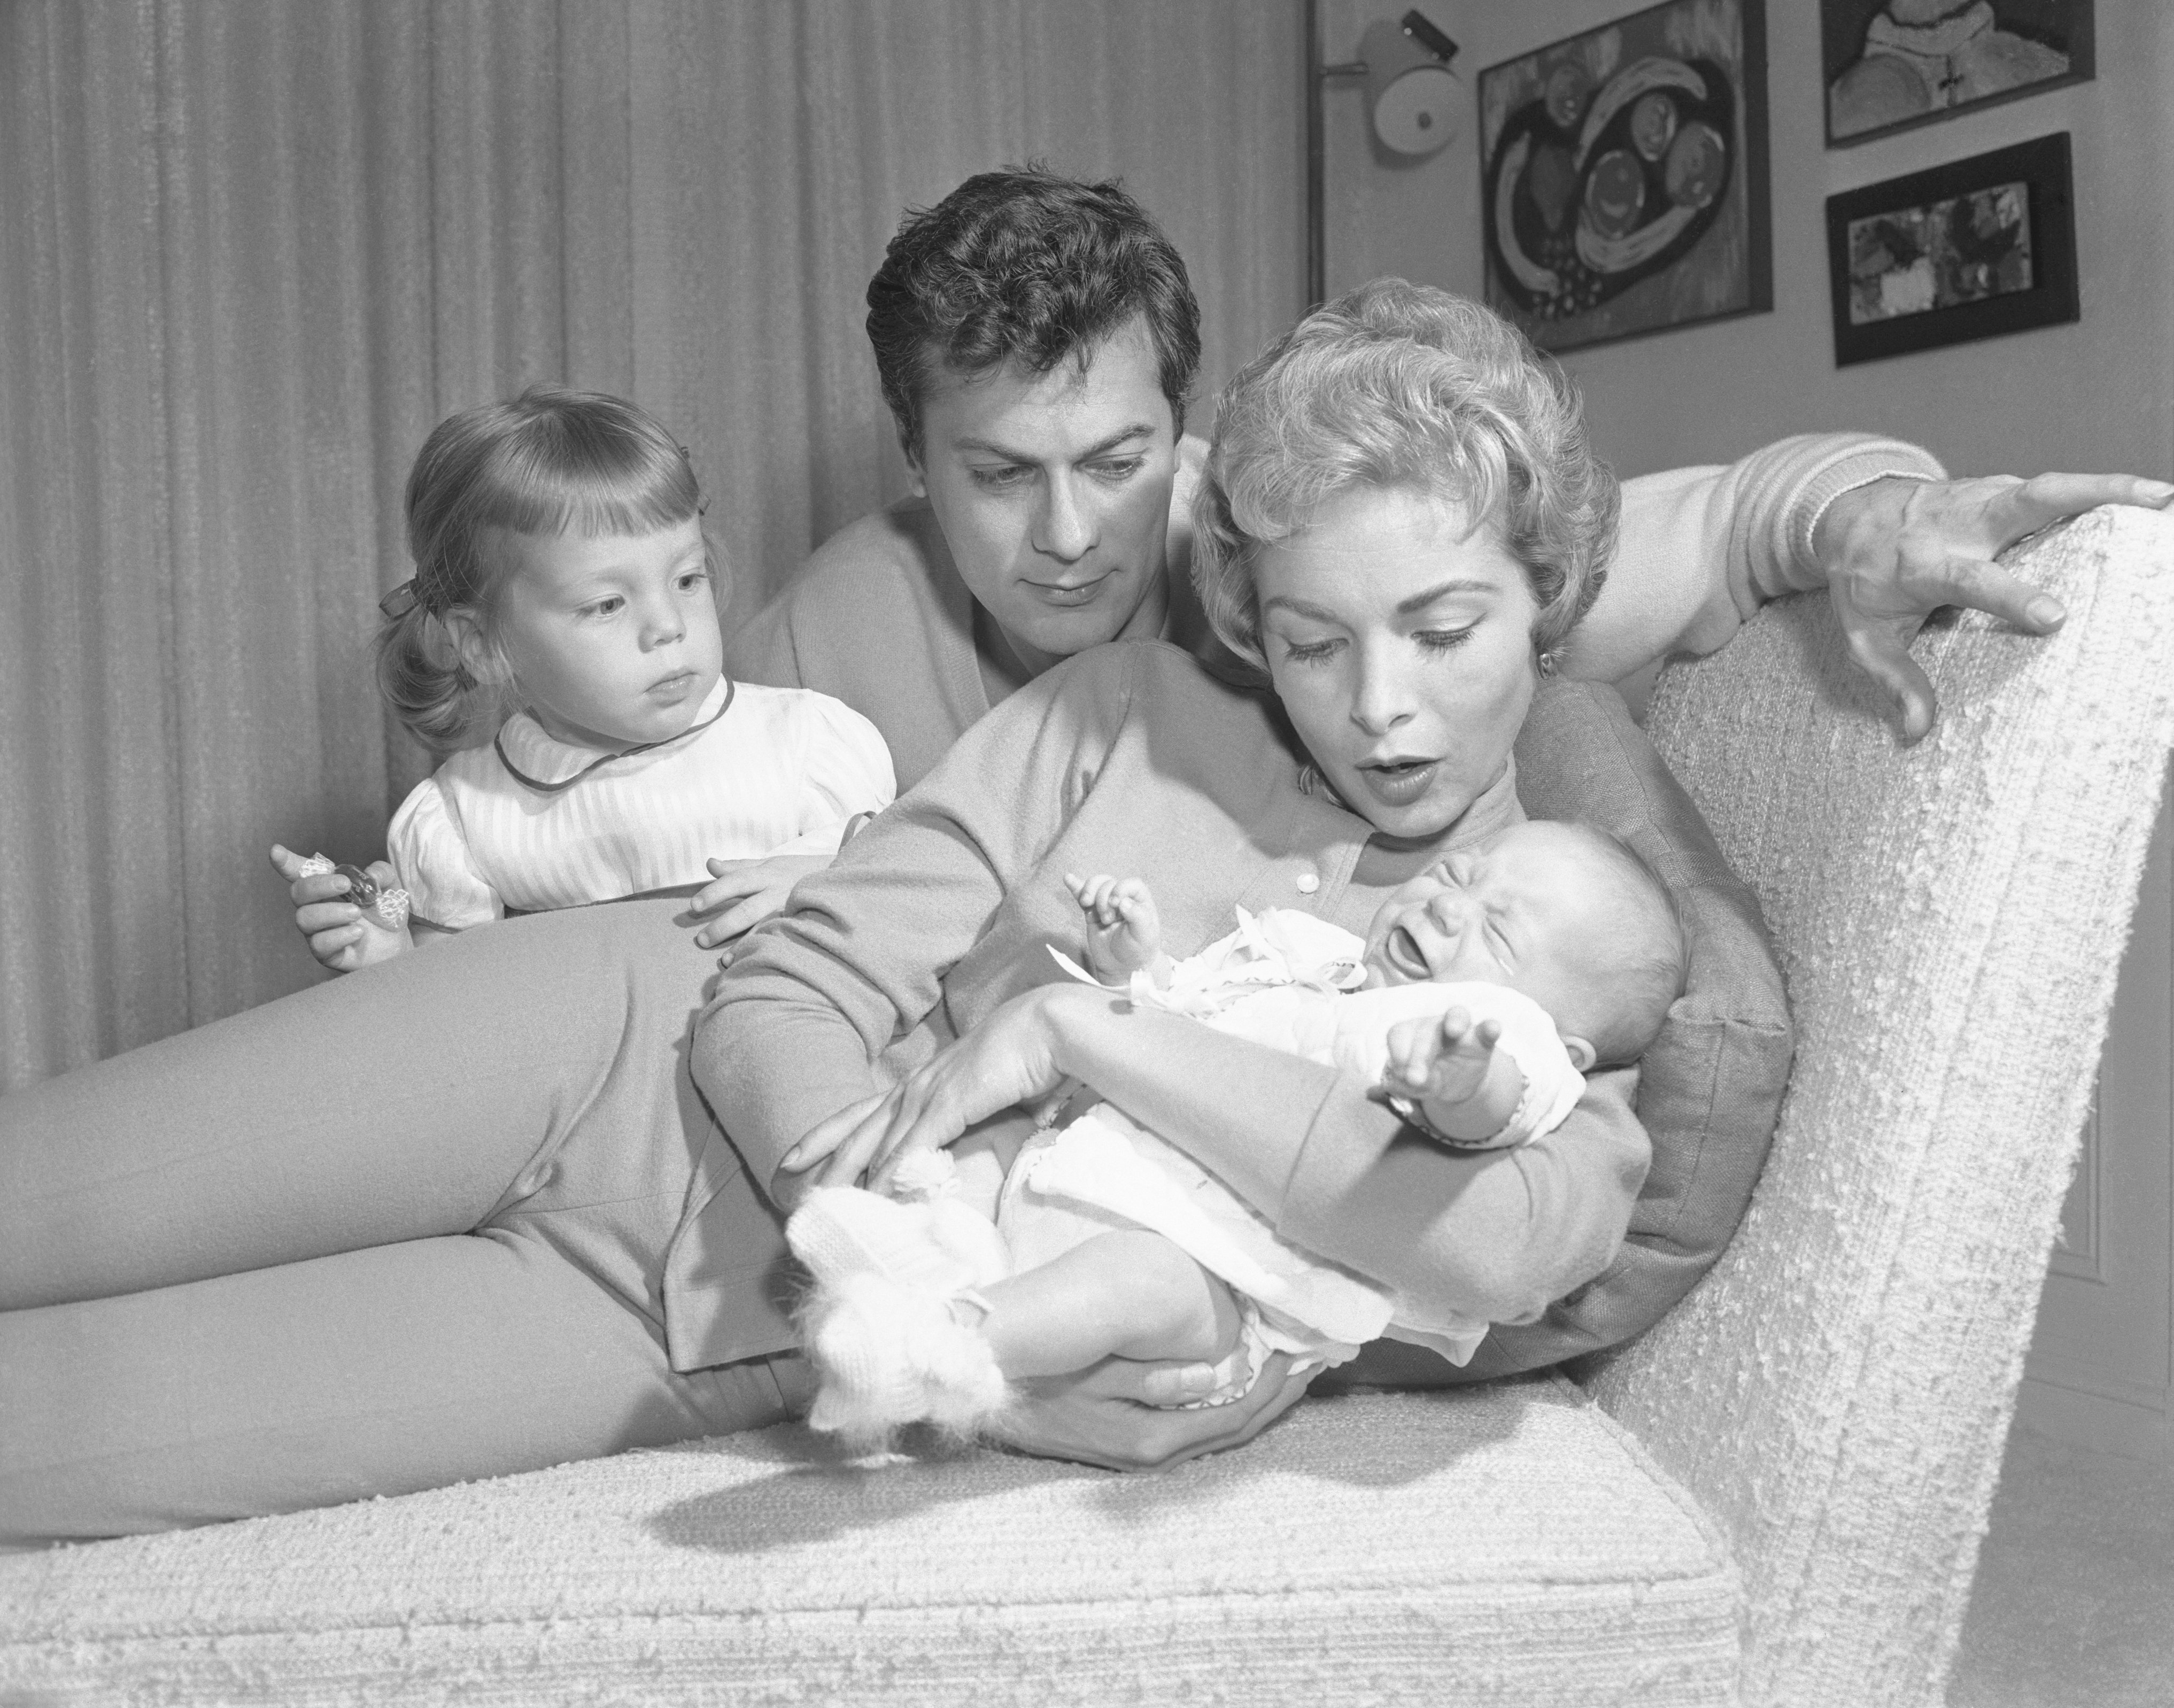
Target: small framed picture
pixel 1891 64
pixel 1623 175
pixel 1970 250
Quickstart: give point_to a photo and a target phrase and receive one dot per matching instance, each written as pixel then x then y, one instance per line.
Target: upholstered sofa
pixel 1774 1497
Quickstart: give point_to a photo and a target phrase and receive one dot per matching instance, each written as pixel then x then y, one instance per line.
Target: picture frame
pixel 1623 175
pixel 1892 65
pixel 1973 249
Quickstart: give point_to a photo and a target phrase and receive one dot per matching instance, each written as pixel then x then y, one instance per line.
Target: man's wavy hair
pixel 1401 386
pixel 1022 266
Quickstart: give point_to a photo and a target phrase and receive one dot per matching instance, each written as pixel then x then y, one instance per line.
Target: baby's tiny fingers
pixel 1410 1047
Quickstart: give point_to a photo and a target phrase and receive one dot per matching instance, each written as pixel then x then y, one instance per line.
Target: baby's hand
pixel 1442 1066
pixel 1124 931
pixel 342 935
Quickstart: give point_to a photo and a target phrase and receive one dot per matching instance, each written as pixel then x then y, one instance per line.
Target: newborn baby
pixel 1486 987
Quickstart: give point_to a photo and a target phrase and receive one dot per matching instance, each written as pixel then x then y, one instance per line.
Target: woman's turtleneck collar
pixel 1393 858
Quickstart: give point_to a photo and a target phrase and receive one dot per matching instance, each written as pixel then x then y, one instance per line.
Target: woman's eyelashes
pixel 1433 642
pixel 1310 651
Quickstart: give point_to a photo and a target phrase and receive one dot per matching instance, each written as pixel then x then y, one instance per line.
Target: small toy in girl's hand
pixel 390 905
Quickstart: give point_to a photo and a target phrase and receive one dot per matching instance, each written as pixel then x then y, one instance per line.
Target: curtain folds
pixel 251 251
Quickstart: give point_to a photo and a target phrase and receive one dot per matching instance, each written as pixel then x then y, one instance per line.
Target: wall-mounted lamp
pixel 1415 99
pixel 1413 96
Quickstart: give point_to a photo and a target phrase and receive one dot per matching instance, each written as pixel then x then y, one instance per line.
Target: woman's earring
pixel 1549 662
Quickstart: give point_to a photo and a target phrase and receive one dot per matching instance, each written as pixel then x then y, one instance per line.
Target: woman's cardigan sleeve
pixel 1498 1234
pixel 862 981
pixel 854 973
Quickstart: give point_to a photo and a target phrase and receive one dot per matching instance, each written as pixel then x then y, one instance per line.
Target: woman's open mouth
pixel 1399 782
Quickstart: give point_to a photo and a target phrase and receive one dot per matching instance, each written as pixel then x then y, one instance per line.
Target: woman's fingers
pixel 828 1134
pixel 925 1117
pixel 1090 1418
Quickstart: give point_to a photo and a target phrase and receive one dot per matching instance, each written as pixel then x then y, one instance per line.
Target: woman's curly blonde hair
pixel 1399 384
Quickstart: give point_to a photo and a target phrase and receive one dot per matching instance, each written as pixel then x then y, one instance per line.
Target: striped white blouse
pixel 780 772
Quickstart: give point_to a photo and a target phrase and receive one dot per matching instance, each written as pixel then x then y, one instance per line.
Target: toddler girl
pixel 560 643
pixel 1487 987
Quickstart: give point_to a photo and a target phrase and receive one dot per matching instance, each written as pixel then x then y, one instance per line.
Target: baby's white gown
pixel 1289 980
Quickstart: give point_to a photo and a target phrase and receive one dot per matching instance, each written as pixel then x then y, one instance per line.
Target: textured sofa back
pixel 1950 918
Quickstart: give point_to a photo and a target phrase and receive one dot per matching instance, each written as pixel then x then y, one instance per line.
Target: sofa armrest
pixel 1950 918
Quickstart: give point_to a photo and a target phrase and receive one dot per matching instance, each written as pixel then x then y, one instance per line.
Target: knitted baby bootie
pixel 883 1323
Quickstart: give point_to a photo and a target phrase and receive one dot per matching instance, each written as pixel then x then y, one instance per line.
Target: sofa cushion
pixel 1513 1542
pixel 1709 1088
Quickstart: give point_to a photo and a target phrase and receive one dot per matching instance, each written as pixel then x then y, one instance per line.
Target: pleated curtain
pixel 251 249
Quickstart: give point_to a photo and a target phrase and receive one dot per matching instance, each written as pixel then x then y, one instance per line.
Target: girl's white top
pixel 781 772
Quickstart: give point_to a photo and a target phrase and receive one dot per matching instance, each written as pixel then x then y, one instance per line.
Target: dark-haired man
pixel 1037 339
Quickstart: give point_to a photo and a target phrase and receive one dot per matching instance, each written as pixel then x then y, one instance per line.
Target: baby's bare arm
pixel 1467 1089
pixel 1124 930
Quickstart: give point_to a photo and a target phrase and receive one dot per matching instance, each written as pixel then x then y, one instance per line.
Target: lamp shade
pixel 1416 98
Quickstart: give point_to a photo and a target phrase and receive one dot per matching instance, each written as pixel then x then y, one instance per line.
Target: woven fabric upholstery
pixel 1506 1545
pixel 1950 918
pixel 1834 1394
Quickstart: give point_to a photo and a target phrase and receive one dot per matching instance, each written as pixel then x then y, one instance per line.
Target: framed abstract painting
pixel 1891 64
pixel 1970 250
pixel 1623 175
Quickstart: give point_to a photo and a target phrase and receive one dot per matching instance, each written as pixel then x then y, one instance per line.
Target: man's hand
pixel 1896 550
pixel 1110 1415
pixel 750 891
pixel 340 934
